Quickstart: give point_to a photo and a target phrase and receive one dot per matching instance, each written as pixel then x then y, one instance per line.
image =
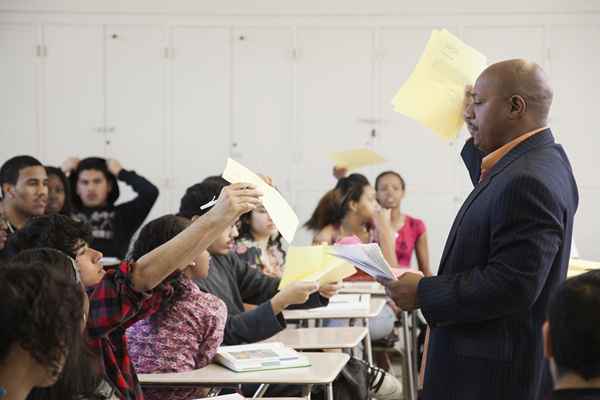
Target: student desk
pixel 375 307
pixel 321 338
pixel 324 368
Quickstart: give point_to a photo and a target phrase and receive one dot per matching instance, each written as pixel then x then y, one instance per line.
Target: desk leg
pixel 415 349
pixel 260 392
pixel 368 349
pixel 330 391
pixel 408 356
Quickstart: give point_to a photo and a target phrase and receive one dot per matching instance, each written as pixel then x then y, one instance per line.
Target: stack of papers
pixel 346 302
pixel 366 257
pixel 357 158
pixel 434 94
pixel 282 214
pixel 314 264
pixel 259 357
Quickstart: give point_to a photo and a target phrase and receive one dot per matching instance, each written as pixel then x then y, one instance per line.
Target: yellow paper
pixel 578 266
pixel 282 214
pixel 357 158
pixel 314 263
pixel 434 94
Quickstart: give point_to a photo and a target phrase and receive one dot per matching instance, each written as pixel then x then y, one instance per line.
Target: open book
pixel 366 257
pixel 259 357
pixel 314 264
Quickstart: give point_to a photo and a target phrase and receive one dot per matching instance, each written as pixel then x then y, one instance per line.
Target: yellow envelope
pixel 357 158
pixel 282 214
pixel 314 264
pixel 434 94
pixel 578 266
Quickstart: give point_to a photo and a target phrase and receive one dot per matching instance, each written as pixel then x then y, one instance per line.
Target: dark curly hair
pixel 67 208
pixel 333 206
pixel 56 231
pixel 154 234
pixel 42 307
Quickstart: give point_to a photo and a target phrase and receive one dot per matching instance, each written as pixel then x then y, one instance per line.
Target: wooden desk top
pixel 320 338
pixel 375 307
pixel 324 368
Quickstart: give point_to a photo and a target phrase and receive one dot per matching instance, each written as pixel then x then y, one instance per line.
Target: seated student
pixel 95 191
pixel 59 194
pixel 186 331
pixel 236 283
pixel 411 234
pixel 259 243
pixel 24 185
pixel 42 315
pixel 125 294
pixel 572 338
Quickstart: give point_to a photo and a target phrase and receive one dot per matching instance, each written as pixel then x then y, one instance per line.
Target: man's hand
pixel 330 290
pixel 70 165
pixel 235 200
pixel 294 293
pixel 404 290
pixel 114 166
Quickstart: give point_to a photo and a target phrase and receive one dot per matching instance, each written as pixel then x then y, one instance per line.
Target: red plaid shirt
pixel 114 306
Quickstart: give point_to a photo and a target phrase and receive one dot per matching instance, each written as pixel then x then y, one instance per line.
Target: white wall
pixel 173 88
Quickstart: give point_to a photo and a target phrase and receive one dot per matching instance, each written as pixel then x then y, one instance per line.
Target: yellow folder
pixel 356 158
pixel 434 94
pixel 314 264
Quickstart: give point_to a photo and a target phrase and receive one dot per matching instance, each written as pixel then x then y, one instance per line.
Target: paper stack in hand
pixel 366 257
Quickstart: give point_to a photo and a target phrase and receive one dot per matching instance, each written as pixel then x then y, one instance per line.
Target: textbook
pixel 314 264
pixel 259 357
pixel 346 302
pixel 366 257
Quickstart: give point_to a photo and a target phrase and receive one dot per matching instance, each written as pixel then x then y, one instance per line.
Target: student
pixel 259 243
pixel 411 235
pixel 186 331
pixel 236 283
pixel 59 194
pixel 572 338
pixel 125 295
pixel 42 315
pixel 24 186
pixel 95 191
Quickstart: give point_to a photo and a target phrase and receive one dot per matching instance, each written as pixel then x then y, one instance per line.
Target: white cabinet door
pixel 73 92
pixel 18 97
pixel 262 102
pixel 200 107
pixel 333 99
pixel 135 100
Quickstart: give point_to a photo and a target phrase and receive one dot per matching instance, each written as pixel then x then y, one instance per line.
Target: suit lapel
pixel 541 139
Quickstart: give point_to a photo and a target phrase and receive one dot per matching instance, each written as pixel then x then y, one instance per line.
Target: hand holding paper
pixel 434 93
pixel 366 257
pixel 282 214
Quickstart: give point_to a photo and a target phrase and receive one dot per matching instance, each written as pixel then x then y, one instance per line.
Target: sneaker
pixel 383 386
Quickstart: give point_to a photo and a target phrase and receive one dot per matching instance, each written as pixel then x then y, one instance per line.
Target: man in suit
pixel 507 250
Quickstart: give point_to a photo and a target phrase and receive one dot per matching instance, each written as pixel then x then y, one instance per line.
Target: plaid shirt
pixel 114 306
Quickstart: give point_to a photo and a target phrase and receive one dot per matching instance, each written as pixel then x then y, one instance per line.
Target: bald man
pixel 507 250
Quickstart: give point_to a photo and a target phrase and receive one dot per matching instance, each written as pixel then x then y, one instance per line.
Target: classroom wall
pixel 173 88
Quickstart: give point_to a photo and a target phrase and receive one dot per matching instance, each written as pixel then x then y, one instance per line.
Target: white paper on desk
pixel 282 214
pixel 366 257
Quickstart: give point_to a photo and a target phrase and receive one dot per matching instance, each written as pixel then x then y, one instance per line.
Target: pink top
pixel 406 239
pixel 183 339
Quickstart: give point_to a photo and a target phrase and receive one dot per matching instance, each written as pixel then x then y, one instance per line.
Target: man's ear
pixel 518 106
pixel 8 190
pixel 548 353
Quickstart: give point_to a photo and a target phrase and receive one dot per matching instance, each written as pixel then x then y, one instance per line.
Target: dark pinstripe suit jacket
pixel 507 250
